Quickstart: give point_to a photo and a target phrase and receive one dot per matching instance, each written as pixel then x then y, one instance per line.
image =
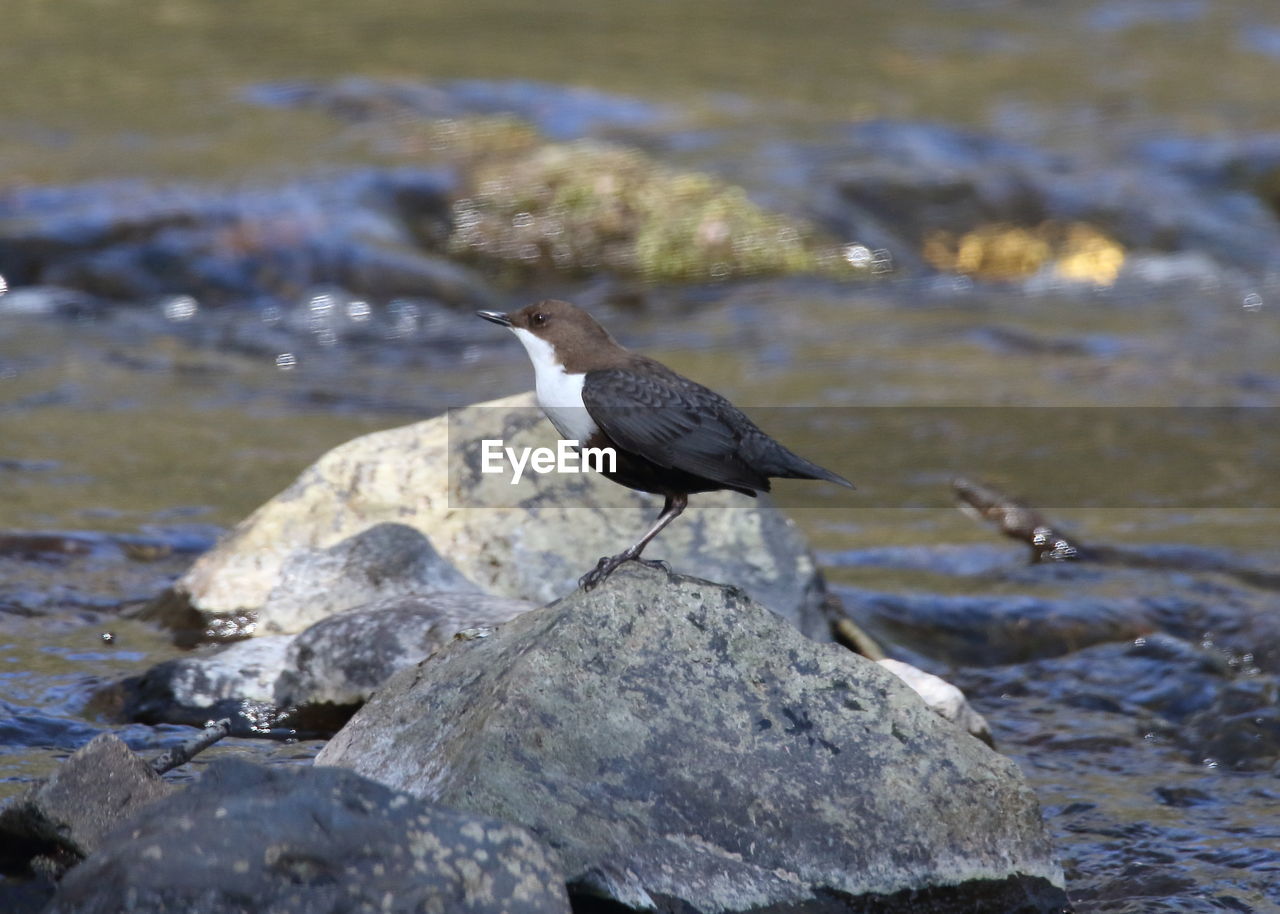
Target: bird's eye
pixel 538 319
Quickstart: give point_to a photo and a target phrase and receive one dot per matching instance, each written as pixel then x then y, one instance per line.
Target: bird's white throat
pixel 559 392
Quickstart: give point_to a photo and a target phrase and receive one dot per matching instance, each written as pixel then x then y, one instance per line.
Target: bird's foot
pixel 610 563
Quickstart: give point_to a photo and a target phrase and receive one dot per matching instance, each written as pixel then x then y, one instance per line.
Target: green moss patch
pixel 586 207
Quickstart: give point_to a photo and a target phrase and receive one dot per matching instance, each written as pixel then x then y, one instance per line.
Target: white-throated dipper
pixel 672 436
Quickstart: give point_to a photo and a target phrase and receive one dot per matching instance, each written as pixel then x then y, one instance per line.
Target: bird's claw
pixel 610 563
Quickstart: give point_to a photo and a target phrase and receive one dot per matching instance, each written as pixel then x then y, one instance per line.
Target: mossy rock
pixel 587 207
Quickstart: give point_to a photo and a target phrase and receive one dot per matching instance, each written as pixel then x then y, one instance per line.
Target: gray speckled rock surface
pixel 285 840
pixel 678 744
pixel 534 548
pixel 385 561
pixel 342 659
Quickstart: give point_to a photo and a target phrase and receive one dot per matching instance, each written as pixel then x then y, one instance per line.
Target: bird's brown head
pixel 578 341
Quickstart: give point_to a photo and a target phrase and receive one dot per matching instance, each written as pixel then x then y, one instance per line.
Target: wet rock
pixel 531 541
pixel 236 681
pixel 65 818
pixel 1194 697
pixel 305 840
pixel 603 723
pixel 381 563
pixel 896 185
pixel 342 659
pixel 1241 729
pixel 981 629
pixel 309 683
pixel 367 232
pixel 942 697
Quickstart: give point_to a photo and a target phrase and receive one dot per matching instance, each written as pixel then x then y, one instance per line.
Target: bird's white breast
pixel 559 392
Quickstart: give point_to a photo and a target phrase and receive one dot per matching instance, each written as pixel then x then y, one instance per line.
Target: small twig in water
pixel 185 752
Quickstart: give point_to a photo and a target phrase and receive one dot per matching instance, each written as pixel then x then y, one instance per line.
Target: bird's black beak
pixel 496 317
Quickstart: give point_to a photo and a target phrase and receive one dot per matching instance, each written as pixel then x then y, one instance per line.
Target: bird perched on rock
pixel 672 436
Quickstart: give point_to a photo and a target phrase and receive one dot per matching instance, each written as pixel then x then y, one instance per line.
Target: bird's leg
pixel 671 509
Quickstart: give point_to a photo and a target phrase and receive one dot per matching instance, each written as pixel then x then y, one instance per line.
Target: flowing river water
pixel 1139 696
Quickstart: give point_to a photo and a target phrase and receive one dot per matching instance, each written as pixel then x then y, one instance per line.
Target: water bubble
pixel 1210 763
pixel 272 315
pixel 4 285
pixel 1252 302
pixel 286 361
pixel 1139 642
pixel 522 220
pixel 358 311
pixel 858 255
pixel 180 308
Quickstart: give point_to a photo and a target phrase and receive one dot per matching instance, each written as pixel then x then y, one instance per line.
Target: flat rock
pixel 531 541
pixel 681 747
pixel 283 840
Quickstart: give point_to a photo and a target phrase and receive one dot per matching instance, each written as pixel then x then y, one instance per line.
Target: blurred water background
pixel 236 234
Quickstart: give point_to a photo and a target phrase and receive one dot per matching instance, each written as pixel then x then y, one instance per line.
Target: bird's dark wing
pixel 673 422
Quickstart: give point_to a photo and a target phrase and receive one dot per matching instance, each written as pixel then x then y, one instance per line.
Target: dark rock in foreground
pixel 248 838
pixel 684 748
pixel 63 819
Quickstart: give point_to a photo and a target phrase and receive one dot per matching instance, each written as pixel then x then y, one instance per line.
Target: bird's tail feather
pixel 799 468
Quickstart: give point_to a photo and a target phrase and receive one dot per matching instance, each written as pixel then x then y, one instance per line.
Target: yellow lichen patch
pixel 585 206
pixel 1087 255
pixel 1077 252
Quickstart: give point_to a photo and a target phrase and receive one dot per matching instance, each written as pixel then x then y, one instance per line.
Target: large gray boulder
pixel 684 748
pixel 531 541
pixel 299 841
